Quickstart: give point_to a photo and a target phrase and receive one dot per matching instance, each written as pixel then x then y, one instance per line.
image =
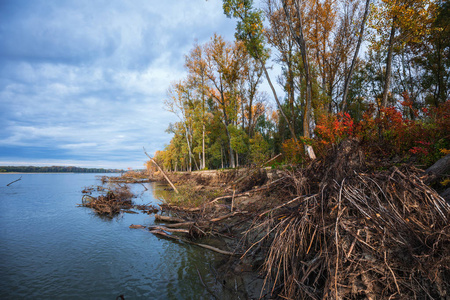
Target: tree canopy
pixel 378 70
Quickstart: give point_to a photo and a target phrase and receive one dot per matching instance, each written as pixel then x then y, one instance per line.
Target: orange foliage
pixel 388 132
pixel 332 129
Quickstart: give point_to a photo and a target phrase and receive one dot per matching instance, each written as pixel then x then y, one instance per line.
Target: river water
pixel 52 249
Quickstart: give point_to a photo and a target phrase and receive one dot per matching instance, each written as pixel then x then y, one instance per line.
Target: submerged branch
pixel 14 181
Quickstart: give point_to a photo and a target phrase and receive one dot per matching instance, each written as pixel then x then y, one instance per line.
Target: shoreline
pixel 308 232
pixel 327 216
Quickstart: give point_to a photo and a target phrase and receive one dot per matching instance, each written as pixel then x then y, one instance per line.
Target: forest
pixel 374 70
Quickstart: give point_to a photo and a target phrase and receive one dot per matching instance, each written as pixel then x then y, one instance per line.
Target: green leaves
pixel 249 28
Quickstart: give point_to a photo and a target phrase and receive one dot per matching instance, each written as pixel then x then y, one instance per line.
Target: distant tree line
pixel 55 169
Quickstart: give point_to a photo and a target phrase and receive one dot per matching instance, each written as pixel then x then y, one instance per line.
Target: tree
pixel 182 105
pixel 223 69
pixel 279 36
pixel 195 62
pixel 250 30
pixel 435 50
pixel 396 24
pixel 299 38
pixel 355 57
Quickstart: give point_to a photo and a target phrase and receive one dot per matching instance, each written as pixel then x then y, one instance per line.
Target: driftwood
pixel 178 225
pixel 164 234
pixel 161 170
pixel 180 208
pixel 156 227
pixel 110 204
pixel 227 216
pixel 179 230
pixel 161 218
pixel 133 226
pixel 438 170
pixel 14 181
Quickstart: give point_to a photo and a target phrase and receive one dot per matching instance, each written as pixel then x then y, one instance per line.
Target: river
pixel 52 249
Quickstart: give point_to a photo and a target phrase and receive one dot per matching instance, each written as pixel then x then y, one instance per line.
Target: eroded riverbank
pixel 341 227
pixel 344 226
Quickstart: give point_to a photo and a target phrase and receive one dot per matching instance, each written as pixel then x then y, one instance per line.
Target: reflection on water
pixel 162 192
pixel 50 248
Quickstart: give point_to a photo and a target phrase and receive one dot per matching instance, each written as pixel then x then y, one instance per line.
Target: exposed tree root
pixel 362 234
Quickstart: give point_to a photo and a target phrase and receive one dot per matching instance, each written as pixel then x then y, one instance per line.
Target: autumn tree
pixel 183 105
pixel 396 24
pixel 431 58
pixel 279 36
pixel 355 56
pixel 223 68
pixel 250 31
pixel 195 63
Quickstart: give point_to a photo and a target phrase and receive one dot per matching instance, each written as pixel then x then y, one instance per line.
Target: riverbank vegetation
pixel 348 210
pixel 392 95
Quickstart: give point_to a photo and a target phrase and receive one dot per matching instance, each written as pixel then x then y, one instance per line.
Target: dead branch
pixel 178 225
pixel 356 233
pixel 161 218
pixel 168 229
pixel 14 181
pixel 205 286
pixel 287 203
pixel 161 170
pixel 162 233
pixel 227 216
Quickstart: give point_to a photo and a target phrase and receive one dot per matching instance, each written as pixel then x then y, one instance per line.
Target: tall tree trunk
pixel 232 164
pixel 355 57
pixel 250 114
pixel 299 38
pixel 291 91
pixel 290 126
pixel 387 81
pixel 221 155
pixel 441 97
pixel 189 149
pixel 203 148
pixel 203 123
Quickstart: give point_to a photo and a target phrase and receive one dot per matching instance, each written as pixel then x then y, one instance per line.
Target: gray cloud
pixel 84 81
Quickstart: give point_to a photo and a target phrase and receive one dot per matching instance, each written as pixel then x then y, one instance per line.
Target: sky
pixel 83 82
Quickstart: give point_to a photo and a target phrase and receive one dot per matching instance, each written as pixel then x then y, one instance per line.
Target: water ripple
pixel 52 249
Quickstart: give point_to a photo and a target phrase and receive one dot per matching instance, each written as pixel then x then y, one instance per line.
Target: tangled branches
pixel 117 197
pixel 360 234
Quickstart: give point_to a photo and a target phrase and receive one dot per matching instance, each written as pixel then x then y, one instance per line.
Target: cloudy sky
pixel 82 82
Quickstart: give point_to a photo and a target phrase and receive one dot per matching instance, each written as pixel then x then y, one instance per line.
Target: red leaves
pixel 331 129
pixel 391 131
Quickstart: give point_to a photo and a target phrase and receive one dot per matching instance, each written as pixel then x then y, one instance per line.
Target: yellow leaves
pixel 412 19
pixel 445 151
